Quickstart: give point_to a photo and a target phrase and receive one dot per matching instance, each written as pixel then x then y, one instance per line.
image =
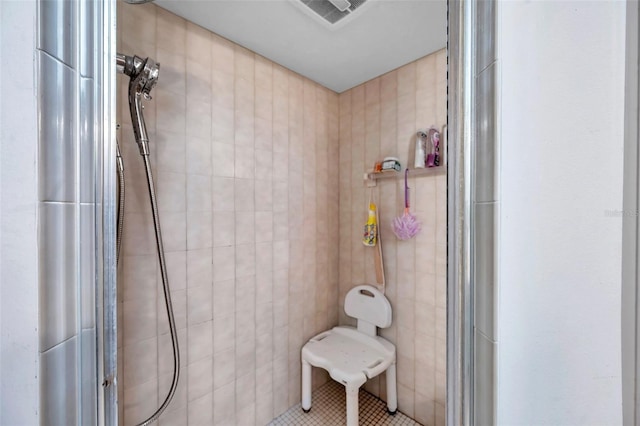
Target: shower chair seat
pixel 352 355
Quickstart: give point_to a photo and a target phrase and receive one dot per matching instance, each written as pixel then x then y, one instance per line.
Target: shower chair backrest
pixel 370 307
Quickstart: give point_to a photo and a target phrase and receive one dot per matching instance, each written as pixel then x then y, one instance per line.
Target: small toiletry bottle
pixel 436 147
pixel 433 158
pixel 420 153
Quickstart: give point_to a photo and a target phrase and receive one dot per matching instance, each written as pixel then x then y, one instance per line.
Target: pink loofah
pixel 406 226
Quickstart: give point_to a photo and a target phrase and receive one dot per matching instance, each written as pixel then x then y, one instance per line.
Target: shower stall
pixel 192 243
pixel 188 300
pixel 249 160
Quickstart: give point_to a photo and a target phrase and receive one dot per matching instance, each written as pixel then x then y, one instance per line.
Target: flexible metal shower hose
pixel 167 296
pixel 163 270
pixel 121 189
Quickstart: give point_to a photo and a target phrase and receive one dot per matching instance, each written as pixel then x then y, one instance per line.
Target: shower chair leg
pixel 352 404
pixel 392 393
pixel 306 386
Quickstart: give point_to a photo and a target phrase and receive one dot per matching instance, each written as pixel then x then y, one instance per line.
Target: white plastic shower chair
pixel 352 356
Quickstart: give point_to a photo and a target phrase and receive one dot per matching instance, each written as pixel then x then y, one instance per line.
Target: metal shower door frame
pixel 106 302
pixel 460 302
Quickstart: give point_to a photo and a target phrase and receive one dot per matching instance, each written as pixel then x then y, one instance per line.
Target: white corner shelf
pixel 372 177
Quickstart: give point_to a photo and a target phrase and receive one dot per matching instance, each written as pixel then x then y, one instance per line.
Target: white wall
pixel 18 206
pixel 562 150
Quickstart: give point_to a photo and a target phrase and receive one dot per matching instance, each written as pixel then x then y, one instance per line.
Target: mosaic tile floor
pixel 328 409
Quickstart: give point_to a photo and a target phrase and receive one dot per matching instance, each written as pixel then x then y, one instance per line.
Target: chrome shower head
pixel 138 1
pixel 147 78
pixel 143 72
pixel 143 75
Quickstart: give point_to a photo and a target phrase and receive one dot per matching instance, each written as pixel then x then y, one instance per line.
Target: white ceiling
pixel 378 38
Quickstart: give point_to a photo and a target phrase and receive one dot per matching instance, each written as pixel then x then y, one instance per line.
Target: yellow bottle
pixel 371 228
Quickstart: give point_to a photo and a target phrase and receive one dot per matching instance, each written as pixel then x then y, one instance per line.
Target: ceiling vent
pixel 332 12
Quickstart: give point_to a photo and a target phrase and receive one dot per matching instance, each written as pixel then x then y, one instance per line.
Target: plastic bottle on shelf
pixel 421 150
pixel 433 158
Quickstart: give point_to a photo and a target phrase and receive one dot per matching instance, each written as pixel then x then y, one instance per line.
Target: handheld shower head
pixel 144 72
pixel 147 77
pixel 143 75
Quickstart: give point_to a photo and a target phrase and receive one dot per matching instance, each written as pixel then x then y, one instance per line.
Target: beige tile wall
pixel 378 119
pixel 245 159
pixel 245 155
